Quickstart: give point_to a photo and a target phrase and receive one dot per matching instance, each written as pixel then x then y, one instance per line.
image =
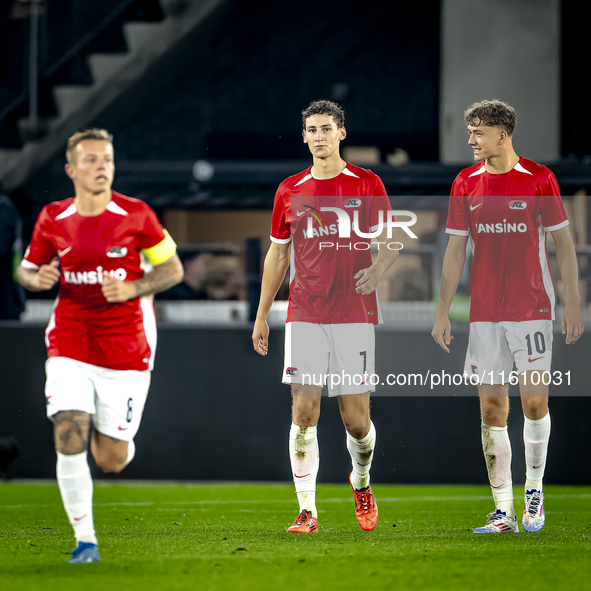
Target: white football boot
pixel 533 511
pixel 498 523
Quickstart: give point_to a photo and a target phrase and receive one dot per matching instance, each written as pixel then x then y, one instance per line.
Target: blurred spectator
pixel 224 278
pixel 411 285
pixel 210 277
pixel 12 296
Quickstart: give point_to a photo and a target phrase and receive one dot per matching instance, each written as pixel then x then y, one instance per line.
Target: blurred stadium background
pixel 204 99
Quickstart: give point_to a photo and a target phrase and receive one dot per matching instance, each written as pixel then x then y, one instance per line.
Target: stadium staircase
pixel 113 75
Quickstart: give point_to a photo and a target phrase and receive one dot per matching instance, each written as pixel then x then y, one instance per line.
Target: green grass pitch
pixel 232 536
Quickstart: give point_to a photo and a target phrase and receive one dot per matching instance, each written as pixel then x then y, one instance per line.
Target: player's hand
pixel 48 275
pixel 572 324
pixel 367 281
pixel 442 332
pixel 116 291
pixel 260 337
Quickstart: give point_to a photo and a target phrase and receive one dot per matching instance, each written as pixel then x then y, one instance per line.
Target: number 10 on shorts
pixel 539 343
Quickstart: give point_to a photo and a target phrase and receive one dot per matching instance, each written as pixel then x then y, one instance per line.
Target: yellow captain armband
pixel 162 251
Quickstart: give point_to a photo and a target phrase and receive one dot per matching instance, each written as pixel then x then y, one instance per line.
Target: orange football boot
pixel 366 508
pixel 305 523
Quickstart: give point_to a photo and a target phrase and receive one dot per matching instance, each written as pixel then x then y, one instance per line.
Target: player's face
pixel 485 141
pixel 322 135
pixel 95 166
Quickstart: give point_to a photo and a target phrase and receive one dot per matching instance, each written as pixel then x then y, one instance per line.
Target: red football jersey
pixel 507 217
pixel 324 261
pixel 84 326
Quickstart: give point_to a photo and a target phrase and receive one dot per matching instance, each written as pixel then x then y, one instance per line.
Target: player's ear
pixel 343 133
pixel 69 170
pixel 503 136
pixel 304 136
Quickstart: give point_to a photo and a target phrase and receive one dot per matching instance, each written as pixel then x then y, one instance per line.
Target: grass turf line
pixel 232 536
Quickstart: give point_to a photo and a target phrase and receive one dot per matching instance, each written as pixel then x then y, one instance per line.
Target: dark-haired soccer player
pixel 333 304
pixel 111 255
pixel 505 205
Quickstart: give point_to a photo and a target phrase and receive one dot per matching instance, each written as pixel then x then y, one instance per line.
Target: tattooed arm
pixel 163 277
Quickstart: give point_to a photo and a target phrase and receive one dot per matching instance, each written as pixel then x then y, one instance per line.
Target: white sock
pixel 361 451
pixel 305 459
pixel 497 453
pixel 130 452
pixel 75 484
pixel 535 436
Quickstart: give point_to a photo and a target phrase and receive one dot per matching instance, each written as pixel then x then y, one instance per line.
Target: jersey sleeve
pixel 154 241
pixel 41 251
pixel 553 213
pixel 552 187
pixel 379 203
pixel 280 229
pixel 458 223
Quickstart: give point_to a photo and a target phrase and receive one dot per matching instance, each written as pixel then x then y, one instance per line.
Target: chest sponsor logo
pixel 501 228
pixel 93 277
pixel 117 252
pixel 517 204
pixel 352 202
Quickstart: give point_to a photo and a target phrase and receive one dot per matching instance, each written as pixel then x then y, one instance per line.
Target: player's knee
pixel 70 438
pixel 357 432
pixel 73 445
pixel 494 410
pixel 494 416
pixel 535 408
pixel 305 411
pixel 111 465
pixel 305 418
pixel 110 462
pixel 357 427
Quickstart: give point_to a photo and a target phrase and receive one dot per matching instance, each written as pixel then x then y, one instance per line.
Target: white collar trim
pixel 481 170
pixel 306 178
pixel 309 176
pixel 517 167
pixel 349 173
pixel 67 212
pixel 520 168
pixel 114 208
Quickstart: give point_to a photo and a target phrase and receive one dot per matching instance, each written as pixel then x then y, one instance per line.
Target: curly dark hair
pixel 493 113
pixel 324 107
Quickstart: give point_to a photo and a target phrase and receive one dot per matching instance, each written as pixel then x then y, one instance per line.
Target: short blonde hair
pixel 94 133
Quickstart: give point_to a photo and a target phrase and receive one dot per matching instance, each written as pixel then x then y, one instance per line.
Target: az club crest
pixel 517 204
pixel 117 252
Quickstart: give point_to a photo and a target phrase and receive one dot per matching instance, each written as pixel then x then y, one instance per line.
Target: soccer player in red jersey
pixel 505 205
pixel 333 305
pixel 111 255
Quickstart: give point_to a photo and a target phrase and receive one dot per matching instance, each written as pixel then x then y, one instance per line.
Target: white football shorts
pixel 115 398
pixel 493 347
pixel 340 356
